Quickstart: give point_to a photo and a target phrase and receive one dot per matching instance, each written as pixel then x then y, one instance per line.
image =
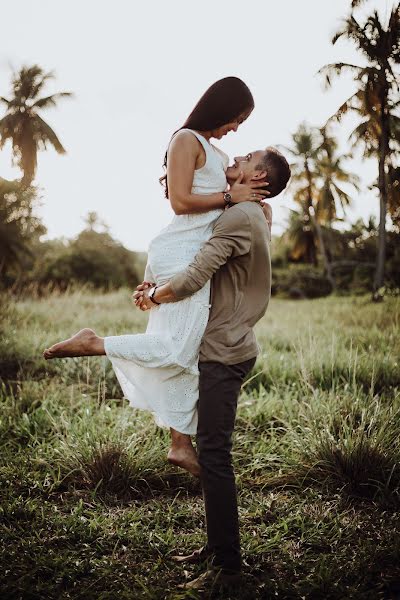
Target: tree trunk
pixel 311 254
pixel 324 254
pixel 317 228
pixel 382 183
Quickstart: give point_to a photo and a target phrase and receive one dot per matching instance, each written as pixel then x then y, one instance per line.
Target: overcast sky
pixel 138 68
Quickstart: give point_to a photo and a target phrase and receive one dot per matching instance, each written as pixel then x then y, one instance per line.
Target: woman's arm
pixel 183 154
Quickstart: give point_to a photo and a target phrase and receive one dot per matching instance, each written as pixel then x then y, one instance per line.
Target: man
pixel 237 259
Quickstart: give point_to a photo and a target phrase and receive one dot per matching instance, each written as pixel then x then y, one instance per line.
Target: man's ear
pixel 257 175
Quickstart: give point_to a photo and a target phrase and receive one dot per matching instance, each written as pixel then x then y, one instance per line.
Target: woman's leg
pixel 83 343
pixel 182 453
pixel 87 343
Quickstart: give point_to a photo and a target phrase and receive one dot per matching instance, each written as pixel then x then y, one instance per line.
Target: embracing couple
pixel 207 283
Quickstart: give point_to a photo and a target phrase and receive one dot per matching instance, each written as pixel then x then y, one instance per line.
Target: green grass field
pixel 90 508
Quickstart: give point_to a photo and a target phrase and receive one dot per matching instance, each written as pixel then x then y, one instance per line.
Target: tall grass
pixel 89 507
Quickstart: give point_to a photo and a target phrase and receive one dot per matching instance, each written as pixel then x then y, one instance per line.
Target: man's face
pixel 247 165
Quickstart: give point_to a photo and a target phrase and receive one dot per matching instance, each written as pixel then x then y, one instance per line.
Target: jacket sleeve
pixel 231 238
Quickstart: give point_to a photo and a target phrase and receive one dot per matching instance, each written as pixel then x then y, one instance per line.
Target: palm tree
pixel 332 174
pixel 22 123
pixel 94 223
pixel 375 101
pixel 317 177
pixel 305 150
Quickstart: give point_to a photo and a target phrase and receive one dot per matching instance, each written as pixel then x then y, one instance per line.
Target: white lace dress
pixel 158 370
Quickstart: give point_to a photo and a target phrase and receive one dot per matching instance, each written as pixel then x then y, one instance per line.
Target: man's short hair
pixel 278 170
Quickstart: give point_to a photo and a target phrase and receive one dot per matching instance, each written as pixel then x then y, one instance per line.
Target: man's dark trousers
pixel 219 389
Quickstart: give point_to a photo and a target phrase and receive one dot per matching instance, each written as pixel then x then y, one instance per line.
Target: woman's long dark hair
pixel 222 103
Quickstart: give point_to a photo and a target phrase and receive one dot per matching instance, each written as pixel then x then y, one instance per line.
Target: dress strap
pixel 206 145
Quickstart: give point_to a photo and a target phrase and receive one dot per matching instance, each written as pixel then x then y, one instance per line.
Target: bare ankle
pixel 180 440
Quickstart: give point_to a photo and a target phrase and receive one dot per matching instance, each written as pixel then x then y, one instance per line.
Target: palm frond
pixel 325 210
pixel 301 236
pixel 357 3
pixel 348 105
pixel 366 134
pixel 349 28
pixel 51 100
pixel 344 198
pixel 331 70
pixel 7 129
pixel 352 178
pixel 394 33
pixel 360 36
pixel 40 81
pixel 45 134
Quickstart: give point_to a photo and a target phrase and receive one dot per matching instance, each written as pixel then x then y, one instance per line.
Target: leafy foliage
pixel 94 258
pixel 19 226
pixel 352 255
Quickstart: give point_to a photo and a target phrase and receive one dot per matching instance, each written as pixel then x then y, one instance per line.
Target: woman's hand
pixel 267 209
pixel 245 192
pixel 142 300
pixel 145 285
pixel 140 297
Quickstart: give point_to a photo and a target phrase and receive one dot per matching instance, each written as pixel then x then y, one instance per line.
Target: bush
pixel 95 258
pixel 299 281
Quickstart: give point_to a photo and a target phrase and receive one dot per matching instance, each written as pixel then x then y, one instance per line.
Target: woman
pixel 158 370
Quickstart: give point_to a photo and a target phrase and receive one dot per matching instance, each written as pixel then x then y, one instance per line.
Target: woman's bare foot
pixel 83 343
pixel 182 453
pixel 186 458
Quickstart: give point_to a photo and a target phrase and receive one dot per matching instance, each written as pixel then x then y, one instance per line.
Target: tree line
pixel 321 185
pixel 318 172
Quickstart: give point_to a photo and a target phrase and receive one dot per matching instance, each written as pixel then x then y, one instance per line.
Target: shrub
pixel 299 282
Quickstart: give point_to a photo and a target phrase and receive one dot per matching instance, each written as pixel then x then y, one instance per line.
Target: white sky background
pixel 137 69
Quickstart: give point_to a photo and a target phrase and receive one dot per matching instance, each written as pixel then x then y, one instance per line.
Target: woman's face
pixel 232 126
